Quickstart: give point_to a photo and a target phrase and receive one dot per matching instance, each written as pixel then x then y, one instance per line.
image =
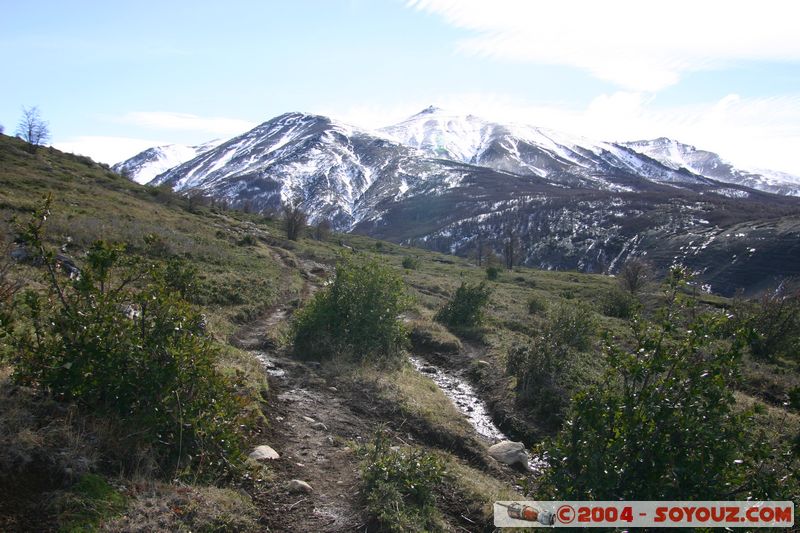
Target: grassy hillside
pixel 250 283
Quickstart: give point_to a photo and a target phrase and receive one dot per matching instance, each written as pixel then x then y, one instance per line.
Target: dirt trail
pixel 309 427
pixel 312 420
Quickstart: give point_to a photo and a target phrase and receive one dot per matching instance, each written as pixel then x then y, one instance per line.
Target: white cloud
pixel 106 149
pixel 750 132
pixel 639 46
pixel 166 120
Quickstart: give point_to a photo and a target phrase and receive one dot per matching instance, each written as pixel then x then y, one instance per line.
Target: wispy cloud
pixel 639 46
pixel 166 120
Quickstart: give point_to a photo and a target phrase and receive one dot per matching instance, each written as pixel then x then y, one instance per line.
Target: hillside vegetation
pixel 304 346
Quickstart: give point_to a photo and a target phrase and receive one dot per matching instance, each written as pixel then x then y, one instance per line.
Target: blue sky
pixel 113 78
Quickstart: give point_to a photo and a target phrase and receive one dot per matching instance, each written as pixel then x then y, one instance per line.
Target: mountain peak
pixel 430 110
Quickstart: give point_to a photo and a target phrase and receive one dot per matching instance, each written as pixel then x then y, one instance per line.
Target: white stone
pixel 297 485
pixel 264 453
pixel 509 453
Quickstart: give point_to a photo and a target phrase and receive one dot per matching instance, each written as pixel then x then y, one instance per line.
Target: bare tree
pixel 510 247
pixel 635 274
pixel 295 219
pixel 32 128
pixel 479 248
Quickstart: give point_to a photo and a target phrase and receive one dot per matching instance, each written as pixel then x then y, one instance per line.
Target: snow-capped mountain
pixel 460 183
pixel 146 165
pixel 338 171
pixel 526 150
pixel 678 156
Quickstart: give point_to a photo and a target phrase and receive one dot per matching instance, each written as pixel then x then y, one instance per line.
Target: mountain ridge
pixel 457 184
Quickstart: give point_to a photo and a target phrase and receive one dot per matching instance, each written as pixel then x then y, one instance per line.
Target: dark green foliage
pixel 771 323
pixel 492 273
pixel 88 502
pixel 540 369
pixel 410 263
pixel 121 342
pixel 466 308
pixel 536 305
pixel 355 316
pixel 247 240
pixel 399 487
pixel 619 303
pixel 663 424
pixel 572 325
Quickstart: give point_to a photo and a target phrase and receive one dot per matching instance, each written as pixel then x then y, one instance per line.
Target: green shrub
pixel 410 263
pixel 357 315
pixel 771 323
pixel 138 356
pixel 572 325
pixel 664 423
pixel 492 273
pixel 619 303
pixel 466 308
pixel 536 305
pixel 399 487
pixel 539 368
pixel 246 240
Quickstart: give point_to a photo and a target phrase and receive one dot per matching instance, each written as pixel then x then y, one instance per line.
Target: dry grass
pixel 166 507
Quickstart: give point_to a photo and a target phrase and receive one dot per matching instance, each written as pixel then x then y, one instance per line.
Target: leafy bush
pixel 136 355
pixel 410 263
pixel 357 315
pixel 246 240
pixel 619 303
pixel 771 323
pixel 572 325
pixel 540 369
pixel 536 305
pixel 492 273
pixel 465 310
pixel 399 487
pixel 663 424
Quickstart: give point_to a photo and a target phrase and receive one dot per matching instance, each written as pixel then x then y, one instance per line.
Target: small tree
pixel 32 128
pixel 294 219
pixel 635 274
pixel 510 247
pixel 771 322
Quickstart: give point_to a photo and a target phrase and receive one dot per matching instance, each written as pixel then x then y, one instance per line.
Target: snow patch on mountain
pixel 145 166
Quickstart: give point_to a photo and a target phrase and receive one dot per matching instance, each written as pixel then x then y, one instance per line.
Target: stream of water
pixel 465 399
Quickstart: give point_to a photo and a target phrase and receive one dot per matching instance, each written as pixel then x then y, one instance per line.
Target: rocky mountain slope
pixel 458 184
pixel 677 155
